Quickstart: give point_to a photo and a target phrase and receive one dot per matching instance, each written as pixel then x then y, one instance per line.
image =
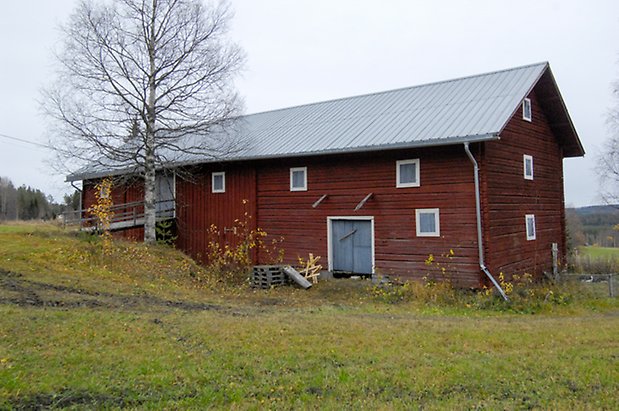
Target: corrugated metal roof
pixel 470 109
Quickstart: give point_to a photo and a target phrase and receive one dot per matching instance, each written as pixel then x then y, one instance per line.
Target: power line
pixel 25 141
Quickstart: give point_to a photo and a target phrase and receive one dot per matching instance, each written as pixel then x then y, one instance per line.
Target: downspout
pixel 480 243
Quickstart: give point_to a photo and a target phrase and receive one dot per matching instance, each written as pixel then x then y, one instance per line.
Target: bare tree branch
pixel 607 166
pixel 144 85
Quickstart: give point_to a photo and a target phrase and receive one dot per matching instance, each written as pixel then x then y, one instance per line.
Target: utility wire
pixel 26 141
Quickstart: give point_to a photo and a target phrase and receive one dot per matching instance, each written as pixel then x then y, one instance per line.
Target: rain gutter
pixel 480 243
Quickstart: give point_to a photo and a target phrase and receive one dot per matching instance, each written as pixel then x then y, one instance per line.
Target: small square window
pixel 407 173
pixel 218 182
pixel 298 179
pixel 529 220
pixel 528 167
pixel 427 222
pixel 104 192
pixel 527 114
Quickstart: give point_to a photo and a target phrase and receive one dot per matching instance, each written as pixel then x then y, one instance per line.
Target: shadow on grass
pixel 84 399
pixel 19 291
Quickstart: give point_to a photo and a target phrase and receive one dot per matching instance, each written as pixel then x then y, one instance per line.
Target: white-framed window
pixel 104 192
pixel 407 173
pixel 427 222
pixel 529 221
pixel 298 179
pixel 218 182
pixel 527 162
pixel 527 113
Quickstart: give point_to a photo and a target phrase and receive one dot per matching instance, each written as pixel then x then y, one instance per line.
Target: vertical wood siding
pixel 122 192
pixel 509 197
pixel 197 208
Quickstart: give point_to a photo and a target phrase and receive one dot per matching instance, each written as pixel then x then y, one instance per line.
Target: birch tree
pixel 144 85
pixel 607 166
pixel 608 171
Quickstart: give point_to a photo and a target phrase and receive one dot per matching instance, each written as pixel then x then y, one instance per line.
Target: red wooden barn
pixel 471 168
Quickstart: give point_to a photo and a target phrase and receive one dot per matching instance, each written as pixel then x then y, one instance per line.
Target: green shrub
pixel 165 232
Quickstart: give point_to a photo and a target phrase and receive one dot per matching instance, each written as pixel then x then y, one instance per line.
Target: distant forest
pixel 594 225
pixel 27 203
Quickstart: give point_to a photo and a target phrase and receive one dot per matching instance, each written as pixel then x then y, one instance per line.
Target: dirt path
pixel 14 289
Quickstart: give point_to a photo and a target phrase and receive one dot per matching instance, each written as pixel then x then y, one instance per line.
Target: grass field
pixel 599 252
pixel 146 328
pixel 595 260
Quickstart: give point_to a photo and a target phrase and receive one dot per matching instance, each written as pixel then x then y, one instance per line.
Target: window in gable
pixel 529 220
pixel 528 167
pixel 407 173
pixel 218 182
pixel 298 179
pixel 527 113
pixel 427 222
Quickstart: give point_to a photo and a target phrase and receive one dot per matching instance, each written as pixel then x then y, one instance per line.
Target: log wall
pixel 509 196
pixel 258 194
pixel 446 183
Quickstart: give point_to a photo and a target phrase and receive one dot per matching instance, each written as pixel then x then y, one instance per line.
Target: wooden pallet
pixel 267 276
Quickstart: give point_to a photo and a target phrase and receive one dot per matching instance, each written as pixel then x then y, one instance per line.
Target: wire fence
pixel 599 284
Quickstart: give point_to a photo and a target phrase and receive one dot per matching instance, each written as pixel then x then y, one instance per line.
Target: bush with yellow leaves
pixel 232 259
pixel 436 285
pixel 440 269
pixel 526 295
pixel 101 210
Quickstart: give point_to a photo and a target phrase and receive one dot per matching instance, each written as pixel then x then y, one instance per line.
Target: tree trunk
pixel 150 235
pixel 138 78
pixel 150 212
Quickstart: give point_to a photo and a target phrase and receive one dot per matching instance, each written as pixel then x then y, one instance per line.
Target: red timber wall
pixel 197 207
pixel 122 193
pixel 446 176
pixel 509 197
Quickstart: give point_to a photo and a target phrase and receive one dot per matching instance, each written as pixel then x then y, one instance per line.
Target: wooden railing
pixel 124 215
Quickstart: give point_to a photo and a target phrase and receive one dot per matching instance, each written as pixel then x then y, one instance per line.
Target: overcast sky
pixel 306 51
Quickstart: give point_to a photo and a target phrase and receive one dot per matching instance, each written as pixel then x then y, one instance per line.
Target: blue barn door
pixel 351 242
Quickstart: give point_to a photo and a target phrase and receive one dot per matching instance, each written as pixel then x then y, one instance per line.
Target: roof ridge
pixel 544 63
pixel 464 109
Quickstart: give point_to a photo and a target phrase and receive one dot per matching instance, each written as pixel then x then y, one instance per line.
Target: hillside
pixel 144 327
pixel 593 225
pixel 597 210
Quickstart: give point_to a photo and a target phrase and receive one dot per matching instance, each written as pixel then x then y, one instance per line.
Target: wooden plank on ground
pixel 296 277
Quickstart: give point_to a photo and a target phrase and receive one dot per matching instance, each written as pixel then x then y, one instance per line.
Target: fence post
pixel 611 285
pixel 555 260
